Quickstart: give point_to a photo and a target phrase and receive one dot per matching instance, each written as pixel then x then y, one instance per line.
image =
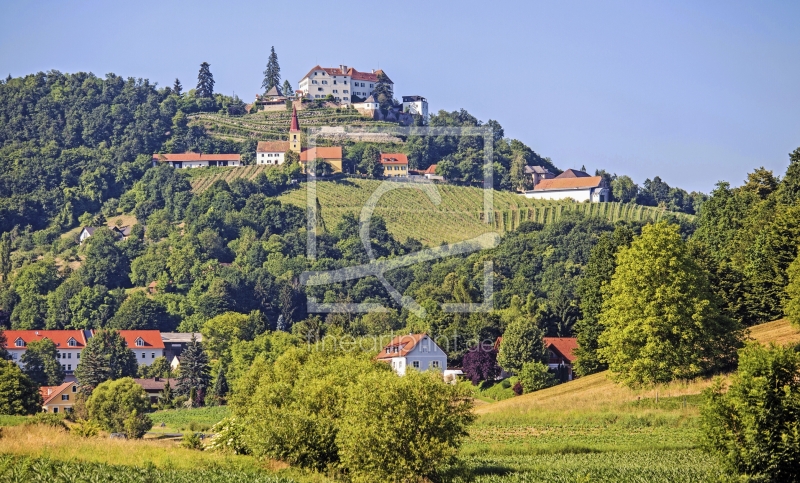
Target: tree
pixel 225 329
pixel 522 342
pixel 370 163
pixel 792 301
pixel 205 82
pixel 535 376
pixel 40 363
pixel 19 395
pixel 139 312
pixel 383 91
pixel 120 406
pixel 158 368
pixel 166 396
pixel 194 372
pixel 624 189
pixel 480 364
pixel 106 357
pixel 754 426
pixel 662 320
pixel 5 255
pixel 221 385
pixel 272 75
pixel 4 354
pixel 287 88
pixel 177 88
pixel 105 263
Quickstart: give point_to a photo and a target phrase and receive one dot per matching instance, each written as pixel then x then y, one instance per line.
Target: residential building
pixel 59 399
pixel 197 160
pixel 121 232
pixel 271 152
pixel 341 83
pixel 561 354
pixel 572 184
pixel 146 345
pixel 368 107
pixel 416 105
pixel 538 173
pixel 155 386
pixel 394 164
pixel 176 342
pixel 331 155
pixel 414 351
pixel 69 344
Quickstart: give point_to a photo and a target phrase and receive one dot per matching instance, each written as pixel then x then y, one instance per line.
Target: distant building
pixel 197 160
pixel 561 354
pixel 69 344
pixel 416 105
pixel 331 155
pixel 154 386
pixel 146 345
pixel 571 184
pixel 394 164
pixel 59 399
pixel 369 107
pixel 273 100
pixel 176 342
pixel 121 232
pixel 341 83
pixel 271 152
pixel 538 173
pixel 86 233
pixel 415 351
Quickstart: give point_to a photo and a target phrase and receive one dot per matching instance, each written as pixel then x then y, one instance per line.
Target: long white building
pixel 342 83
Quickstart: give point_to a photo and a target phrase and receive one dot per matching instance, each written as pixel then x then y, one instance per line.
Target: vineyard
pixel 201 179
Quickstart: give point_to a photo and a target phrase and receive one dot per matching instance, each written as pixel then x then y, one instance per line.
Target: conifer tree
pixel 272 75
pixel 106 357
pixel 166 395
pixel 287 88
pixel 177 88
pixel 205 81
pixel 221 385
pixel 194 372
pixel 40 363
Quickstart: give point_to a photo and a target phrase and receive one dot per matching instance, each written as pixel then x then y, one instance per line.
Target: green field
pixel 180 420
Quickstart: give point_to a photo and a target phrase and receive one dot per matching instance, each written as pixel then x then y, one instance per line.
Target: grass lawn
pixel 180 420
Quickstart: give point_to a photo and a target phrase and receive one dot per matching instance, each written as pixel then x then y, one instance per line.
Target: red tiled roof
pixel 431 170
pixel 572 173
pixel 50 392
pixel 568 183
pixel 156 383
pixel 334 152
pixel 272 146
pixel 59 337
pixel 354 74
pixel 197 157
pixel 151 338
pixel 564 345
pixel 394 158
pixel 404 345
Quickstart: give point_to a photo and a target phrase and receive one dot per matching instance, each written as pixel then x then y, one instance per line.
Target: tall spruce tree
pixel 177 88
pixel 205 81
pixel 106 357
pixel 272 75
pixel 194 373
pixel 221 385
pixel 40 363
pixel 287 88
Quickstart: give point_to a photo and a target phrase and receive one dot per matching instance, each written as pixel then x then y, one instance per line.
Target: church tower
pixel 294 133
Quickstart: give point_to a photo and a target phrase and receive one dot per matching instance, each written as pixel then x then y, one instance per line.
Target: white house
pixel 146 345
pixel 368 107
pixel 341 83
pixel 572 184
pixel 416 105
pixel 271 152
pixel 197 160
pixel 415 351
pixel 69 344
pixel 87 232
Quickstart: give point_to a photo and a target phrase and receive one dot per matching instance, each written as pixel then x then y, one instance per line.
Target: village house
pixel 415 351
pixel 146 345
pixel 561 354
pixel 394 164
pixel 331 155
pixel 120 232
pixel 416 105
pixel 59 399
pixel 197 160
pixel 154 386
pixel 572 184
pixel 368 107
pixel 341 83
pixel 69 344
pixel 538 173
pixel 271 152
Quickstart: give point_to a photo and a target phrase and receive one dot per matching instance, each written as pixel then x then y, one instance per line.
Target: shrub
pixel 136 425
pixel 228 437
pixel 85 429
pixel 518 388
pixel 192 441
pixel 754 427
pixel 48 419
pixel 535 376
pixel 120 406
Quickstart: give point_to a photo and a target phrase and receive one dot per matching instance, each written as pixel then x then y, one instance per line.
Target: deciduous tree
pixel 19 395
pixel 40 363
pixel 480 364
pixel 120 406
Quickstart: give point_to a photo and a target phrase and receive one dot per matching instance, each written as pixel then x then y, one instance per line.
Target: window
pixel 345 82
pixel 415 364
pixel 346 91
pixel 435 364
pixel 324 82
pixel 58 355
pixel 71 342
pixel 78 355
pixel 65 397
pixel 139 342
pixel 334 82
pixel 142 355
pixel 55 410
pixel 69 355
pixel 319 88
pixel 335 91
pixel 19 343
pixel 370 85
pixel 74 388
pixel 388 350
pixel 152 355
pixel 69 367
pixel 313 82
pixel 64 367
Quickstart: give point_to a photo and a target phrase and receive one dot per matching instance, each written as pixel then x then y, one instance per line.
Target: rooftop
pixel 196 157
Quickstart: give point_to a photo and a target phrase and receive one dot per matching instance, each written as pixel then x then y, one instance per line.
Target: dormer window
pixel 72 342
pixel 19 343
pixel 388 350
pixel 139 342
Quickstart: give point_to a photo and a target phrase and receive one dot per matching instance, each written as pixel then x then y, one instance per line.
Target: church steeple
pixel 294 132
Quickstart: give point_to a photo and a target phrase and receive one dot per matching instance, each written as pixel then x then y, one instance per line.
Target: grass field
pixel 180 420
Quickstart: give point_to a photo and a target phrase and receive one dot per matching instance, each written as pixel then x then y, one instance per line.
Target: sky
pixel 693 92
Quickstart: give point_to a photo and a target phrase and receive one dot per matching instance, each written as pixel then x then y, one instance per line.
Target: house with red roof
pixel 146 345
pixel 561 354
pixel 69 344
pixel 343 83
pixel 414 351
pixel 59 399
pixel 571 184
pixel 197 160
pixel 271 152
pixel 394 164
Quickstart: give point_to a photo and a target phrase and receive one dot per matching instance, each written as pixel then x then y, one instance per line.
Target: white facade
pixel 425 355
pixel 416 105
pixel 595 195
pixel 145 355
pixel 270 157
pixel 341 83
pixel 201 164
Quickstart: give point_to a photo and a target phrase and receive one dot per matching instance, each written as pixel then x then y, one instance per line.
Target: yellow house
pixel 394 164
pixel 330 155
pixel 59 399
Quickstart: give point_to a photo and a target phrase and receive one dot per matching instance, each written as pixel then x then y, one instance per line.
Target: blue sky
pixel 694 92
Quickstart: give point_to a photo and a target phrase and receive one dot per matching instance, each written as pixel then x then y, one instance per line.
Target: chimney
pixel 343 68
pixel 157 379
pixel 373 71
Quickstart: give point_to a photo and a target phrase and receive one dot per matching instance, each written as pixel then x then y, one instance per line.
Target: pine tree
pixel 272 76
pixel 106 357
pixel 194 372
pixel 177 88
pixel 287 88
pixel 205 81
pixel 221 385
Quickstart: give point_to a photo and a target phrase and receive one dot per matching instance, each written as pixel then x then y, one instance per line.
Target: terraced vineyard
pixel 202 179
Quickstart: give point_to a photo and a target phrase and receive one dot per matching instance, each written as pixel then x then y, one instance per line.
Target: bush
pixel 48 419
pixel 754 427
pixel 228 437
pixel 192 441
pixel 535 376
pixel 136 425
pixel 518 388
pixel 119 407
pixel 85 429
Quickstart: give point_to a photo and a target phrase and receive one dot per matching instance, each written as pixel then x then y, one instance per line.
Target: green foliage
pixel 18 394
pixel 194 373
pixel 192 441
pixel 4 354
pixel 522 343
pixel 205 82
pixel 120 406
pixel 139 312
pixel 158 368
pixel 374 440
pixel 792 301
pixel 228 437
pixel 272 75
pixel 85 429
pixel 754 427
pixel 535 376
pixel 105 262
pixel 106 357
pixel 55 421
pixel 225 329
pixel 662 321
pixel 41 363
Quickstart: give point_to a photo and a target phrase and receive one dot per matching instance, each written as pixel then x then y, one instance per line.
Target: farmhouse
pixel 573 184
pixel 197 160
pixel 271 152
pixel 394 164
pixel 561 354
pixel 121 232
pixel 69 344
pixel 341 83
pixel 415 351
pixel 154 387
pixel 59 399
